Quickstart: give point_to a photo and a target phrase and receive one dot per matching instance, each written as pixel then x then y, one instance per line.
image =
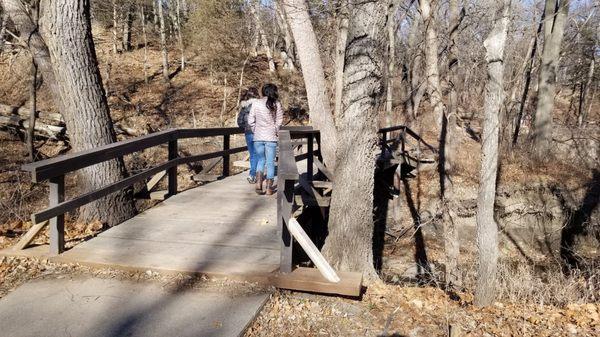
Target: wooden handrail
pixel 54 170
pixel 405 129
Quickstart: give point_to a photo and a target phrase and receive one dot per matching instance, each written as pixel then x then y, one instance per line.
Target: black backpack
pixel 242 119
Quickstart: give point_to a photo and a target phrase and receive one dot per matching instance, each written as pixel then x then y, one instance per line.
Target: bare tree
pixel 3 21
pixel 287 55
pixel 314 78
pixel 428 12
pixel 255 9
pixel 555 17
pixel 586 98
pixel 127 26
pixel 448 139
pixel 163 40
pixel 391 59
pixel 178 23
pixel 487 228
pixel 115 24
pixel 349 245
pixel 67 32
pixel 145 38
pixel 34 9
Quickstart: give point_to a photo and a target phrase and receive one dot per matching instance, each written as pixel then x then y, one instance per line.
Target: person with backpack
pixel 265 118
pixel 248 96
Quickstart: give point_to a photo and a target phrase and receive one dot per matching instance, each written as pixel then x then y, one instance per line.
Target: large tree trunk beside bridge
pixel 66 29
pixel 349 245
pixel 314 78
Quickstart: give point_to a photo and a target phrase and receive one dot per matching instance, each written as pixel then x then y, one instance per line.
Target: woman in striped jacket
pixel 265 118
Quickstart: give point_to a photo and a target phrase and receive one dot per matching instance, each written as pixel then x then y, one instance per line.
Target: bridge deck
pixel 222 228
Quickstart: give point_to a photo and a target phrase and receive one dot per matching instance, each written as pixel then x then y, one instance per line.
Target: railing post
pixel 383 140
pixel 310 158
pixel 226 157
pixel 173 170
pixel 285 195
pixel 57 224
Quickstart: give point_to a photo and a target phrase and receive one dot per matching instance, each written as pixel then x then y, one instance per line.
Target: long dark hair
pixel 269 90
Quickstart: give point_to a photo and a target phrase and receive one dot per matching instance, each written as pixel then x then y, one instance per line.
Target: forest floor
pixel 535 298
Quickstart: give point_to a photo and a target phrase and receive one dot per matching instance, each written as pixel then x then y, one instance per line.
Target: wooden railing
pixel 54 170
pixel 288 176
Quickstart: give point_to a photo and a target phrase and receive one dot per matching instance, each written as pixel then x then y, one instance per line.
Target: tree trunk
pixel 180 34
pixel 586 94
pixel 340 56
pixel 428 12
pixel 448 139
pixel 349 245
pixel 67 32
pixel 127 23
pixel 145 37
pixel 255 9
pixel 417 85
pixel 3 19
pixel 163 41
pixel 391 60
pixel 527 74
pixel 555 14
pixel 115 19
pixel 314 78
pixel 288 58
pixel 487 228
pixel 32 113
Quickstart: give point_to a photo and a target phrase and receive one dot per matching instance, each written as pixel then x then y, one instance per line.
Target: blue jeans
pixel 265 153
pixel 252 152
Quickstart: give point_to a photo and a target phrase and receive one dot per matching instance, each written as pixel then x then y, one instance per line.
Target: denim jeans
pixel 265 153
pixel 252 152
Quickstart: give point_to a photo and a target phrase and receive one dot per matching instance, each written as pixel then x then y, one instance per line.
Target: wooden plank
pixel 31 234
pixel 45 169
pixel 150 185
pixel 66 206
pixel 288 170
pixel 159 195
pixel 309 279
pixel 324 169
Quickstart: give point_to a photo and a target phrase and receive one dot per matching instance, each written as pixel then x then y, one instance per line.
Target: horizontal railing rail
pixel 54 170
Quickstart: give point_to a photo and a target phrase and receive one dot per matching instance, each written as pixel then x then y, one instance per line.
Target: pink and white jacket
pixel 261 121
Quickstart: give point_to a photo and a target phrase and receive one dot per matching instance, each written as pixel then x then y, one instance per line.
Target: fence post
pixel 310 158
pixel 57 224
pixel 173 170
pixel 285 196
pixel 383 140
pixel 226 157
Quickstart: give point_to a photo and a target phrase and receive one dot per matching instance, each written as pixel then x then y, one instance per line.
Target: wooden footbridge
pixel 222 228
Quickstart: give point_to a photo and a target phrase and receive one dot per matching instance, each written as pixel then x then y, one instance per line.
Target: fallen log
pixel 42 129
pixel 24 111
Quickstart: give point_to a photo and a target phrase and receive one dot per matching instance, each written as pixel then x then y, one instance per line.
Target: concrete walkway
pixel 106 307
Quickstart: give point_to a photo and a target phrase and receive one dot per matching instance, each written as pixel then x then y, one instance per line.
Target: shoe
pixel 270 190
pixel 251 180
pixel 258 185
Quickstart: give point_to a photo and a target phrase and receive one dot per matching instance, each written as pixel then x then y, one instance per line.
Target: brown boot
pixel 270 187
pixel 259 182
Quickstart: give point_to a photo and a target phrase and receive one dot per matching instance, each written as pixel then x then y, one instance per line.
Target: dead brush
pixel 542 283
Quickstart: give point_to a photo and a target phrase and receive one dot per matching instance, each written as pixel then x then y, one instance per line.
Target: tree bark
pixel 555 13
pixel 527 74
pixel 145 37
pixel 349 245
pixel 391 59
pixel 180 34
pixel 586 93
pixel 3 19
pixel 288 54
pixel 115 19
pixel 428 13
pixel 66 28
pixel 163 41
pixel 340 55
pixel 127 23
pixel 487 228
pixel 314 77
pixel 448 139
